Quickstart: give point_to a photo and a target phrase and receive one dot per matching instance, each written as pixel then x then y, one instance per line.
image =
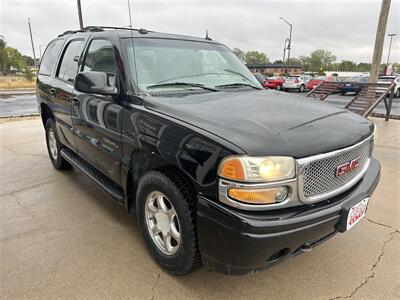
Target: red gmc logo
pixel 347 167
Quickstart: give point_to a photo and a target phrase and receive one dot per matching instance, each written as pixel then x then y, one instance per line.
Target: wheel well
pixel 46 113
pixel 132 183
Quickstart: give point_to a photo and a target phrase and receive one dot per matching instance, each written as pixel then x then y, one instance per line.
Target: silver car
pixel 296 82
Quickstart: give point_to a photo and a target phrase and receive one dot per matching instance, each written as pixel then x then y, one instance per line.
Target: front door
pixel 62 91
pixel 96 119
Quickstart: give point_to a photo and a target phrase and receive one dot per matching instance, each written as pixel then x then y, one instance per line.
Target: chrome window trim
pixel 292 199
pixel 303 162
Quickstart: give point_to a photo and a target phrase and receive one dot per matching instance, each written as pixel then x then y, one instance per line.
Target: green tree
pixel 240 54
pixel 29 60
pixel 293 61
pixel 305 63
pixel 255 57
pixel 363 67
pixel 320 60
pixel 347 65
pixel 278 62
pixel 10 58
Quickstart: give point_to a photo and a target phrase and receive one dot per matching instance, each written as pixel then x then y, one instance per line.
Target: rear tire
pixel 302 88
pixel 54 146
pixel 167 217
pixel 278 87
pixel 397 94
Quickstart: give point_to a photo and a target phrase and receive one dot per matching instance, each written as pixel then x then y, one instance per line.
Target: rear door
pixel 97 118
pixel 63 88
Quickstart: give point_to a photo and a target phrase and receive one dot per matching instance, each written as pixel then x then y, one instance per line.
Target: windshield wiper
pixel 238 84
pixel 198 85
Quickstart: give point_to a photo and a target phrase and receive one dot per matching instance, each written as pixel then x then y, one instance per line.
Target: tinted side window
pixel 69 64
pixel 100 57
pixel 50 57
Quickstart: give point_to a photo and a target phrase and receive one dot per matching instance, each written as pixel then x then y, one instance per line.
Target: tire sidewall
pixel 178 262
pixel 302 88
pixel 57 163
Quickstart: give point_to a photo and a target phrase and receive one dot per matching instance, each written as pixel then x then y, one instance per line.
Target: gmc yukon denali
pixel 218 171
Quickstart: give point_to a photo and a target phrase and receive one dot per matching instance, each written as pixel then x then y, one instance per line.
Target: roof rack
pixel 102 28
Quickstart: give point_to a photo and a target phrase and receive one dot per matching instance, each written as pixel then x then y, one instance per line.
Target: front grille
pixel 318 176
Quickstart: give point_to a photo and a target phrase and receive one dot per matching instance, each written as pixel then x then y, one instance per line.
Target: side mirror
pixel 96 83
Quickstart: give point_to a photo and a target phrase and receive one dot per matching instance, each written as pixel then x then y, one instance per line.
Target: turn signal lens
pixel 232 168
pixel 259 196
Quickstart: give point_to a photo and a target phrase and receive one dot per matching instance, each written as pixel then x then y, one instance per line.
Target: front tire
pixel 302 88
pixel 167 218
pixel 278 87
pixel 54 146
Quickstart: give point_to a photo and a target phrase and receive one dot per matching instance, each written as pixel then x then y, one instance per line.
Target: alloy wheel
pixel 52 144
pixel 162 223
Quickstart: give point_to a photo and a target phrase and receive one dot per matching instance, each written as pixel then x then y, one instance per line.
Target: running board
pixel 102 181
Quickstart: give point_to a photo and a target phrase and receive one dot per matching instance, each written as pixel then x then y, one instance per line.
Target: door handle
pixel 53 91
pixel 75 101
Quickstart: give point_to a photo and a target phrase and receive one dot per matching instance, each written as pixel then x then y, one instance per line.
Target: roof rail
pixel 101 28
pixel 140 30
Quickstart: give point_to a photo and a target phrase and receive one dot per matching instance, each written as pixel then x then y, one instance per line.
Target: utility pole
pixel 379 40
pixel 33 47
pixel 390 46
pixel 80 14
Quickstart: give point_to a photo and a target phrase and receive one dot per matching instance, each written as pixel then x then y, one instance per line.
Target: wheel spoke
pixel 175 231
pixel 161 203
pixel 152 209
pixel 168 243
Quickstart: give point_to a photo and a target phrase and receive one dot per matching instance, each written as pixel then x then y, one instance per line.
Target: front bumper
pixel 236 242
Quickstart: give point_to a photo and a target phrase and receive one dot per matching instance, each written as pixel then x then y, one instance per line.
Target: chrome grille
pixel 318 178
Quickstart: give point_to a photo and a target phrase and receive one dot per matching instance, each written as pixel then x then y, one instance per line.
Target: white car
pixel 389 79
pixel 296 82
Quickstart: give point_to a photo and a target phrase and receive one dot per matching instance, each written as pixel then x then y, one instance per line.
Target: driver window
pixel 100 57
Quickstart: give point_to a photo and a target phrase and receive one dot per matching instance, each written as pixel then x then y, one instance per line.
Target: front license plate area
pixel 356 213
pixel 352 215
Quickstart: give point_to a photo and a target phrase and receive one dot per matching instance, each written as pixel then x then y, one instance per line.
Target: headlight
pixel 257 169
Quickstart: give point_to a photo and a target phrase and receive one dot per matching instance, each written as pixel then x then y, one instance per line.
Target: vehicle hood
pixel 267 122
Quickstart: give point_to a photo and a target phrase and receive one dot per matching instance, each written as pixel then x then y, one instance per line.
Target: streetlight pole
pixel 33 47
pixel 390 46
pixel 290 36
pixel 284 54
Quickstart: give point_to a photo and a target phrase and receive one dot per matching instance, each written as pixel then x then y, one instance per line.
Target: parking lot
pixel 61 237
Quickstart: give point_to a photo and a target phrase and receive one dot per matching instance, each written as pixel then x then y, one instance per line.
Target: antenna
pixel 133 45
pixel 207 37
pixel 130 15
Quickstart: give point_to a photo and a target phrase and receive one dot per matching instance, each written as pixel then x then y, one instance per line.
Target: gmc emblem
pixel 347 167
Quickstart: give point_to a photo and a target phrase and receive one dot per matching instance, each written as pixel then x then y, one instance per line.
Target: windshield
pixel 163 61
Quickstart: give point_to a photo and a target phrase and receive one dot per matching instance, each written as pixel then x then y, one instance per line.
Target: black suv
pixel 219 171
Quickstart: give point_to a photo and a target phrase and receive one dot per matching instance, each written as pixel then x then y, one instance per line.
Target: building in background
pixel 275 69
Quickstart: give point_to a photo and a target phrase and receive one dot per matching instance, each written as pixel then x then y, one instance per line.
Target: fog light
pixel 259 196
pixel 281 194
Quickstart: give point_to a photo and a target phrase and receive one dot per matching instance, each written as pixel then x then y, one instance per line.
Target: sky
pixel 346 28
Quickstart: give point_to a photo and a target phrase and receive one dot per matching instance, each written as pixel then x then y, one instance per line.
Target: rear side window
pixel 100 57
pixel 69 62
pixel 50 57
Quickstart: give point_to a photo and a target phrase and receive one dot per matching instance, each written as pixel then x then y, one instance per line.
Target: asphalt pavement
pixel 63 238
pixel 18 105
